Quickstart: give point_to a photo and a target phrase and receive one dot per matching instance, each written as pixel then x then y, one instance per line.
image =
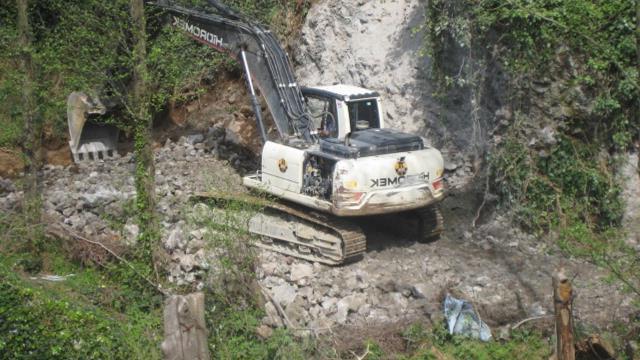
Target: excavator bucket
pixel 89 140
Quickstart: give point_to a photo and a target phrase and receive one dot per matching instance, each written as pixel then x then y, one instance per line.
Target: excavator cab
pixel 340 110
pixel 324 115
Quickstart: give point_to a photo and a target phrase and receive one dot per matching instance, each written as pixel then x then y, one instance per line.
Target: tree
pixel 32 131
pixel 139 108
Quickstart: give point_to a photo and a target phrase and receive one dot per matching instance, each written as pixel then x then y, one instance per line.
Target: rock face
pixel 631 194
pixel 369 44
pixel 373 44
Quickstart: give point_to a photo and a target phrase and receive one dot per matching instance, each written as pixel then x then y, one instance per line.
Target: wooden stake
pixel 185 333
pixel 563 305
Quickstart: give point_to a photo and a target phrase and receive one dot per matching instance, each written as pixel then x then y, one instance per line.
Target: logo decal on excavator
pixel 401 167
pixel 400 180
pixel 198 33
pixel 282 165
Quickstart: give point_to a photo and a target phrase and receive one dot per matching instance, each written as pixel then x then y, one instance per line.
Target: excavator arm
pixel 265 63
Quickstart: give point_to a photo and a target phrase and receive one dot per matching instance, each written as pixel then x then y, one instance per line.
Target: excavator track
pixel 430 223
pixel 423 225
pixel 296 231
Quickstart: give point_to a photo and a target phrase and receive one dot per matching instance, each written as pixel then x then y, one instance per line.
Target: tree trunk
pixel 563 305
pixel 145 168
pixel 638 61
pixel 32 130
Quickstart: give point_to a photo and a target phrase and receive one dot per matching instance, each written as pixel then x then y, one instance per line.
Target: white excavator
pixel 332 159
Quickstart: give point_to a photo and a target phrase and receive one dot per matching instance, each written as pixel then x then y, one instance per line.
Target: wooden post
pixel 563 303
pixel 185 332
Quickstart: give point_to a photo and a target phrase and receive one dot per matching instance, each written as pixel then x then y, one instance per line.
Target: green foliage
pixel 233 336
pixel 531 38
pixel 583 47
pixel 109 313
pixel 86 46
pixel 570 189
pixel 563 185
pixel 42 320
pixel 436 343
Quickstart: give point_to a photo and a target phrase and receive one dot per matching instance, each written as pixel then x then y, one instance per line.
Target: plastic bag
pixel 463 320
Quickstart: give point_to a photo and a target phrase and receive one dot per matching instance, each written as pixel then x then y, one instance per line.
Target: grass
pixel 436 343
pixel 86 316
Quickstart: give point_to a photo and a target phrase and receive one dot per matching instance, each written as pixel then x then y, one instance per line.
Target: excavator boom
pixel 265 63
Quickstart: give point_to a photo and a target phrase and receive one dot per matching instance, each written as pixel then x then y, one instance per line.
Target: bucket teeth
pixel 89 141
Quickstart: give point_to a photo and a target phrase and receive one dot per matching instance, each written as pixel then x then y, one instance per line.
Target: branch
pixel 520 323
pixel 283 315
pixel 363 356
pixel 62 233
pixel 484 201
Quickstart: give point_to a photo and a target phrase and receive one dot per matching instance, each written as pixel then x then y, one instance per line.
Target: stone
pixel 297 312
pixel 342 311
pixel 548 136
pixel 300 271
pixel 328 303
pixel 131 233
pixel 195 245
pixel 188 262
pixel 174 240
pixel 284 294
pixel 198 234
pixel 450 165
pixel 306 292
pixel 77 221
pixel 194 139
pixel 422 291
pixel 353 302
pixel 264 331
pixel 201 259
pixel 273 318
pixel 269 268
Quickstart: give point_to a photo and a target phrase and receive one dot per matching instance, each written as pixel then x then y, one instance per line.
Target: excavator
pixel 332 159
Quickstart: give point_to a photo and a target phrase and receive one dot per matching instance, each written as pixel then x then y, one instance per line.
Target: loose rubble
pixel 503 271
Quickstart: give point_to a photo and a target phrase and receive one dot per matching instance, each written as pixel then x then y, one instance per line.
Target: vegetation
pixel 590 52
pixel 91 314
pixel 107 311
pixel 438 344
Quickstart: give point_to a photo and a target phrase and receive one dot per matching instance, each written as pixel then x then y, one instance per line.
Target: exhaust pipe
pixel 89 140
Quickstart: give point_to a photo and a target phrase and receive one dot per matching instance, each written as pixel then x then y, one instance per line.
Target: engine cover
pixel 372 142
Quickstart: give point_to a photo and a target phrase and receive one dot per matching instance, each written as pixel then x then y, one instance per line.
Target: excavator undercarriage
pixel 296 231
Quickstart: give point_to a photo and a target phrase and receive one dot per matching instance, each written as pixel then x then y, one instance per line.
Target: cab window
pixel 323 113
pixel 363 114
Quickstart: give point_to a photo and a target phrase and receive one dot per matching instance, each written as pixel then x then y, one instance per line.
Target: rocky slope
pixel 504 272
pixel 378 45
